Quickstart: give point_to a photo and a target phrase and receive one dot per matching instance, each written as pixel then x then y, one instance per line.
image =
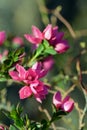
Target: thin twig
pixel 81 120
pixel 48 116
pixel 84 90
pixel 70 89
pixel 65 22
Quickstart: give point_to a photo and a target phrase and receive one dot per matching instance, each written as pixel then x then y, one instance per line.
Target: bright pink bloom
pixel 36 88
pixel 18 41
pixel 38 36
pixel 39 90
pixel 2 37
pixel 1 127
pixel 44 66
pixel 66 104
pixel 26 76
pixel 52 35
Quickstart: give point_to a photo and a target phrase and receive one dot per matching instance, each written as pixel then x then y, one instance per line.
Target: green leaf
pixel 39 50
pixel 12 127
pixel 46 44
pixel 51 51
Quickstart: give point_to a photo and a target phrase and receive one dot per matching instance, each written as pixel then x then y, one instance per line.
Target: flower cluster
pixel 52 35
pixel 30 73
pixel 31 80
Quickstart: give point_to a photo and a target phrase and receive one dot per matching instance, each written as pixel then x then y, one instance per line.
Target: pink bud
pixel 57 99
pixel 2 37
pixel 66 104
pixel 62 46
pixel 18 41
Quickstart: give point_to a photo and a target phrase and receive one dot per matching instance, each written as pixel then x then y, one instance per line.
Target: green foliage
pixel 9 63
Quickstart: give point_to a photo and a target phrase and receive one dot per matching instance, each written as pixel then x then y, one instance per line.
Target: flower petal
pixel 2 37
pixel 48 32
pixel 25 92
pixel 62 46
pixel 14 75
pixel 22 71
pixel 33 39
pixel 68 106
pixel 36 32
pixel 57 99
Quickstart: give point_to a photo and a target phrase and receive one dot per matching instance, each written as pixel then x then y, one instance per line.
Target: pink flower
pixel 44 66
pixel 39 90
pixel 32 84
pixel 38 36
pixel 2 37
pixel 26 76
pixel 66 104
pixel 52 35
pixel 18 41
pixel 1 127
pixel 36 88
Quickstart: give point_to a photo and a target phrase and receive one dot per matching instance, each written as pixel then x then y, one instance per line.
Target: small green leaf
pixel 46 44
pixel 12 127
pixel 39 50
pixel 51 51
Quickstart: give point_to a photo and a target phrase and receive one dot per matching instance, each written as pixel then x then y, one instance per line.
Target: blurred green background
pixel 17 17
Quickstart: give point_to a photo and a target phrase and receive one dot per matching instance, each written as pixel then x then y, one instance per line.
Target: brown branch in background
pixel 57 14
pixel 48 116
pixel 81 33
pixel 70 90
pixel 84 90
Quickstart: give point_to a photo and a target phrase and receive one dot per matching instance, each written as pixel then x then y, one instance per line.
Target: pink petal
pixel 25 92
pixel 39 68
pixel 62 46
pixel 36 32
pixel 38 98
pixel 59 36
pixel 14 75
pixel 2 37
pixel 66 99
pixel 48 63
pixel 33 39
pixel 57 99
pixel 22 71
pixel 68 106
pixel 1 127
pixel 48 32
